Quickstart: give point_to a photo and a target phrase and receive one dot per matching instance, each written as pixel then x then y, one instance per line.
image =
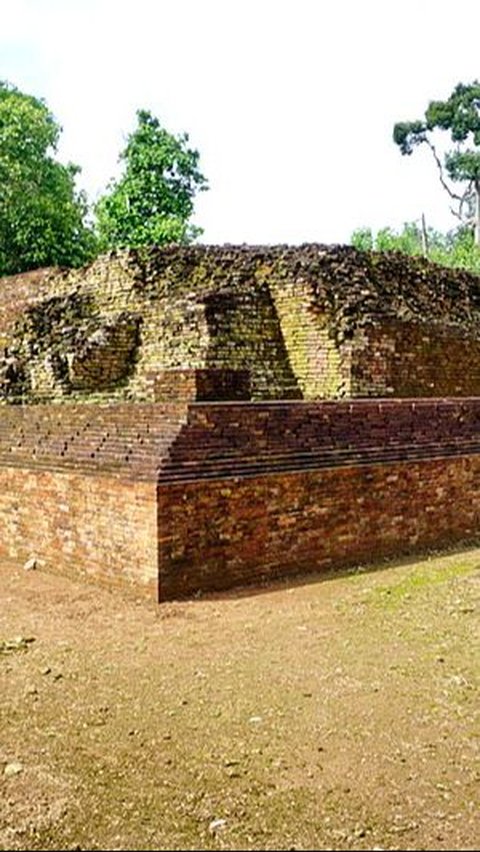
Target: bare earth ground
pixel 337 713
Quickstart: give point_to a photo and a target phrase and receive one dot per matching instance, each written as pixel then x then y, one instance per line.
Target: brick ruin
pixel 192 418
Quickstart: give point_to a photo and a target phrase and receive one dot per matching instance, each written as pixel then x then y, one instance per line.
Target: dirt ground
pixel 328 713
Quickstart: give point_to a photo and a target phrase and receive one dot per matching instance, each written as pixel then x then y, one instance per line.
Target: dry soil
pixel 329 713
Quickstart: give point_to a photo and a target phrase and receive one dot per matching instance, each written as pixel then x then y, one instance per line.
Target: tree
pixel 42 216
pixel 460 115
pixel 152 201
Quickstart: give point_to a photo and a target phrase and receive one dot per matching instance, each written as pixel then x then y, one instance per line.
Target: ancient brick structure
pixel 191 418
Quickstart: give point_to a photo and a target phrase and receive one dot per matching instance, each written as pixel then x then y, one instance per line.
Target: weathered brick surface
pixel 17 293
pixel 216 534
pixel 209 495
pixel 140 471
pixel 200 385
pixel 414 360
pixel 307 322
pixel 269 489
pixel 225 439
pixel 97 527
pixel 172 441
pixel 131 440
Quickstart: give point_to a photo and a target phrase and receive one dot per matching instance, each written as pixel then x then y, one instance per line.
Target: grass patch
pixel 422 578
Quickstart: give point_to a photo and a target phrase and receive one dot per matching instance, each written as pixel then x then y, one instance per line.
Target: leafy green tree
pixel 152 201
pixel 460 116
pixel 42 216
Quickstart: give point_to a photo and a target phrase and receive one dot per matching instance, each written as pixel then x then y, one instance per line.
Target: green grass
pixel 421 579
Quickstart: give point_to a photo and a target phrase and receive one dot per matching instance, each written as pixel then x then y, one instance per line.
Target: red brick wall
pixel 216 534
pixel 102 528
pixel 212 495
pixel 403 359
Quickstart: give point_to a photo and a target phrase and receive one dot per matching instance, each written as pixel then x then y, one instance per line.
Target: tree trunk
pixel 424 237
pixel 477 212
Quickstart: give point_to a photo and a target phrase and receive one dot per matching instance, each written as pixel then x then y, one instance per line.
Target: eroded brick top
pixel 306 322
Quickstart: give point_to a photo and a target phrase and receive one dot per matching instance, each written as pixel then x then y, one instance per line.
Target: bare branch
pixel 456 214
pixel 460 199
pixel 440 169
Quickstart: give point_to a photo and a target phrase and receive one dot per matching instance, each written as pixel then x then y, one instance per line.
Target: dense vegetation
pixel 46 221
pixel 43 218
pixel 457 248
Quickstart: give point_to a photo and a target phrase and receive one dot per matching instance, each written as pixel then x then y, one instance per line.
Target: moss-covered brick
pixel 307 322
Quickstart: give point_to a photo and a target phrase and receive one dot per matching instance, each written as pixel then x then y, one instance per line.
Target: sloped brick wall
pixel 126 439
pixel 228 439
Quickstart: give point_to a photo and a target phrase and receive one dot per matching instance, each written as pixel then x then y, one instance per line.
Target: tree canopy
pixel 152 202
pixel 42 216
pixel 459 115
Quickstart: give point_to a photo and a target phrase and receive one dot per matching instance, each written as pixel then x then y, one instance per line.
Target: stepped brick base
pixel 169 499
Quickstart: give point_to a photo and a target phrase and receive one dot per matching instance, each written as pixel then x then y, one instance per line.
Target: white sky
pixel 290 103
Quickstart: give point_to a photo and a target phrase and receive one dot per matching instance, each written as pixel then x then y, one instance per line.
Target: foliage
pixel 457 248
pixel 460 116
pixel 407 241
pixel 42 216
pixel 152 202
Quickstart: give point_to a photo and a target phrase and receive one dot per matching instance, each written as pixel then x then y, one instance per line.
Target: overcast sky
pixel 290 103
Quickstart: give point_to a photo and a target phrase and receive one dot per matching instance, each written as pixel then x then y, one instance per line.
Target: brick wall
pixel 78 488
pixel 101 528
pixel 217 534
pixel 307 322
pixel 126 439
pixel 226 439
pixel 17 293
pixel 265 490
pixel 200 385
pixel 402 360
pixel 215 494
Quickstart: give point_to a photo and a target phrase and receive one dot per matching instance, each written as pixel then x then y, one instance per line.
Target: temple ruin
pixel 191 418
